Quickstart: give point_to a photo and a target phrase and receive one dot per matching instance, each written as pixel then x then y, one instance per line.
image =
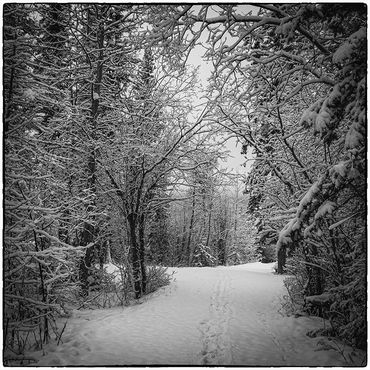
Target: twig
pixel 60 336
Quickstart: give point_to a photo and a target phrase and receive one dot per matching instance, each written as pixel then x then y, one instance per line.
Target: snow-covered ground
pixel 207 316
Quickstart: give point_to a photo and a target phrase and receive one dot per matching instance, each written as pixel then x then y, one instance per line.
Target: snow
pixel 323 119
pixel 112 269
pixel 326 208
pixel 207 316
pixel 309 116
pixel 296 222
pixel 340 168
pixel 348 48
pixel 30 94
pixel 354 137
pixel 339 172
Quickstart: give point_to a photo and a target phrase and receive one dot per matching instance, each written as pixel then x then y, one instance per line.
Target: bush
pixel 294 299
pixel 346 287
pixel 157 277
pixel 113 286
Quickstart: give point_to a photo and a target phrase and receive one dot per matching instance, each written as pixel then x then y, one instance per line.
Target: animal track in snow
pixel 214 330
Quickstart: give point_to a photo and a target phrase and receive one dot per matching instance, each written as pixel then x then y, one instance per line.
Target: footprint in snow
pixel 214 330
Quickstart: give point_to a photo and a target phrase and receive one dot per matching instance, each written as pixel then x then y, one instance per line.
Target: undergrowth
pixel 106 290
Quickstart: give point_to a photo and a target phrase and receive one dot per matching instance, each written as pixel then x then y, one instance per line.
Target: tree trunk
pixel 224 235
pixel 86 261
pixel 142 252
pixel 221 252
pixel 103 251
pixel 183 250
pixel 315 274
pixel 209 223
pixel 135 255
pixel 281 260
pixel 190 250
pixel 89 231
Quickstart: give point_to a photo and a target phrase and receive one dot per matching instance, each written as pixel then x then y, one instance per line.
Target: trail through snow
pixel 207 316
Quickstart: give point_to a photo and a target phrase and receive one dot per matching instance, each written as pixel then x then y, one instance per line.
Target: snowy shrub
pixel 295 284
pixel 100 279
pixel 123 285
pixel 157 277
pixel 293 300
pixel 109 286
pixel 113 285
pixel 348 310
pixel 39 284
pixel 116 288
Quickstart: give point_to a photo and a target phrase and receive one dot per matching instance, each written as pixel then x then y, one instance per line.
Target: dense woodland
pixel 109 157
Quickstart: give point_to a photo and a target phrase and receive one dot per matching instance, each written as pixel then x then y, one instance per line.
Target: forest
pixel 113 152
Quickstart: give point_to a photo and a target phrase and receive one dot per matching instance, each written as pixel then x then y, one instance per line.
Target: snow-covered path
pixel 207 316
